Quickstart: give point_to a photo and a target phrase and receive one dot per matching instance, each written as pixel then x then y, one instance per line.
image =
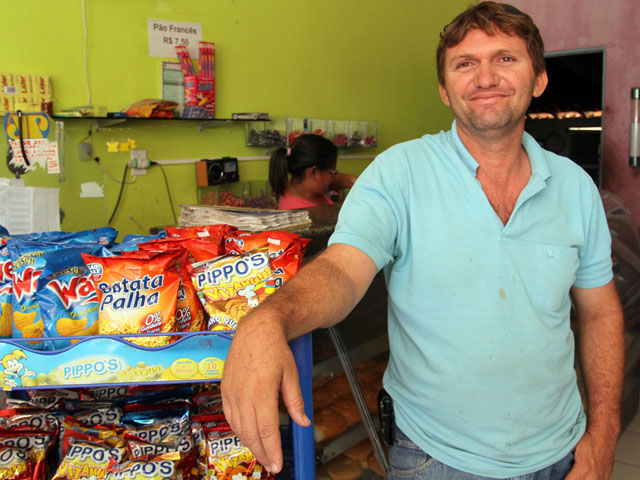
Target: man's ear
pixel 444 95
pixel 541 83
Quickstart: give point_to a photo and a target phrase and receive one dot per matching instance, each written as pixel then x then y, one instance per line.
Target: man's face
pixel 489 82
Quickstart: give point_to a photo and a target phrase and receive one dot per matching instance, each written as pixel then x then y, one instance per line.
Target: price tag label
pixel 165 35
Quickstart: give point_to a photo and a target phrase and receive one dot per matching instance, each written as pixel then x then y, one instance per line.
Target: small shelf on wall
pixel 203 123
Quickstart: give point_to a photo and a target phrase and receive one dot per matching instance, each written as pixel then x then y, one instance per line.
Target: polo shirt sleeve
pixel 595 253
pixel 369 217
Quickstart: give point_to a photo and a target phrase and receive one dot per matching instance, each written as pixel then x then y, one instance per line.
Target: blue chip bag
pixel 6 287
pixel 67 297
pixel 28 262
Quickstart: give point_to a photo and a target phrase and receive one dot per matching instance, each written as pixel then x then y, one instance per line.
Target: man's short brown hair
pixel 489 16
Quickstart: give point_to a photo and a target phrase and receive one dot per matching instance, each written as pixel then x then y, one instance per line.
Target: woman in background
pixel 302 175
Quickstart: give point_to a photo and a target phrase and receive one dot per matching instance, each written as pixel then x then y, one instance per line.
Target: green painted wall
pixel 340 59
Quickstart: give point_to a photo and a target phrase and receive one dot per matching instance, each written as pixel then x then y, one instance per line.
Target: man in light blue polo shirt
pixel 485 239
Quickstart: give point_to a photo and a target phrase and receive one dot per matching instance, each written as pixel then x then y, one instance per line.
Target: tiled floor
pixel 627 459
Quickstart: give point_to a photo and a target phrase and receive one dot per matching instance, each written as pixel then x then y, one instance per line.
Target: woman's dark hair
pixel 489 16
pixel 306 151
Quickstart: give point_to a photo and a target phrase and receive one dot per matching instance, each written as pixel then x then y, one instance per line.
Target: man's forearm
pixel 601 346
pixel 322 293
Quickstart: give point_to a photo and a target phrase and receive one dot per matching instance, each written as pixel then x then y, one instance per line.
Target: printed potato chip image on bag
pixel 231 286
pixel 136 295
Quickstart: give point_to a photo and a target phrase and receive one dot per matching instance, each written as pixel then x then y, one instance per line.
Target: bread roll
pixel 368 376
pixel 371 397
pixel 327 423
pixel 343 468
pixel 339 385
pixel 322 382
pixel 359 452
pixel 346 405
pixel 322 474
pixel 322 397
pixel 368 363
pixel 374 465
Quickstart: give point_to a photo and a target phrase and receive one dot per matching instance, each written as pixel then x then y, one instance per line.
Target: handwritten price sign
pixel 165 35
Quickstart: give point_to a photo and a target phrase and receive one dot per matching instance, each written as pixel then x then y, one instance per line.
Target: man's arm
pixel 601 349
pixel 260 363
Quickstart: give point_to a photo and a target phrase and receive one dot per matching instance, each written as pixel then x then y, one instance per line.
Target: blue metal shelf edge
pixel 106 360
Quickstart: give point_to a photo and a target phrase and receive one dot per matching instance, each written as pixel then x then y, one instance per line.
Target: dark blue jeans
pixel 409 462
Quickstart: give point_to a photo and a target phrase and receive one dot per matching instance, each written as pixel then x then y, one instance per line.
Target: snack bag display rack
pixel 110 360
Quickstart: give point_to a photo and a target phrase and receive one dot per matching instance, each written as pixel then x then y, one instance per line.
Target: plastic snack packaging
pixel 15 464
pixel 160 467
pixel 67 297
pixel 87 457
pixel 137 295
pixel 231 285
pixel 227 457
pixel 35 443
pixel 6 287
pixel 190 315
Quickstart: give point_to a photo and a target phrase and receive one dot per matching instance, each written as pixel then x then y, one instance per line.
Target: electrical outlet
pixel 138 159
pixel 138 171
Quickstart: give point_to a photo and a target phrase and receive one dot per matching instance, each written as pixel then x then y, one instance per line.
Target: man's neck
pixel 500 154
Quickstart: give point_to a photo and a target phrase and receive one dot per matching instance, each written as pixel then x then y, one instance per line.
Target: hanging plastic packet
pixel 15 464
pixel 28 418
pixel 36 444
pixel 87 458
pixel 51 399
pixel 161 427
pixel 67 297
pixel 155 394
pixel 231 286
pixel 208 402
pixel 137 295
pixel 198 425
pixel 104 393
pixel 161 467
pixel 112 435
pixel 227 457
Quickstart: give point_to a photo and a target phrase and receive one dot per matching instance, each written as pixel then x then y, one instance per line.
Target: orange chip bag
pixel 136 294
pixel 190 316
pixel 232 285
pixel 214 232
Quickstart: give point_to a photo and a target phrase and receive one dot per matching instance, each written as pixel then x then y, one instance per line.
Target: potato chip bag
pixel 15 464
pixel 67 297
pixel 87 458
pixel 160 467
pixel 190 315
pixel 213 232
pixel 228 457
pixel 232 285
pixel 27 263
pixel 35 443
pixel 136 295
pixel 285 249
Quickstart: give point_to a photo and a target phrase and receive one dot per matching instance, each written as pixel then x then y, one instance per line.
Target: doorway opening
pixel 567 118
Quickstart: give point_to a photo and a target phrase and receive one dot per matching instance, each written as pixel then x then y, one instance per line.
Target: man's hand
pixel 258 366
pixel 260 363
pixel 593 460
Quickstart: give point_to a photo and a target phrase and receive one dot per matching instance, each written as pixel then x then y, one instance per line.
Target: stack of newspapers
pixel 248 219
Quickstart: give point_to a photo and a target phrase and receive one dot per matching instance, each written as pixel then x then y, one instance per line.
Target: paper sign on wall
pixel 165 35
pixel 40 151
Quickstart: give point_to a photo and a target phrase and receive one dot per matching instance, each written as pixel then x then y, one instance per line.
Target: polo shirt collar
pixel 537 157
